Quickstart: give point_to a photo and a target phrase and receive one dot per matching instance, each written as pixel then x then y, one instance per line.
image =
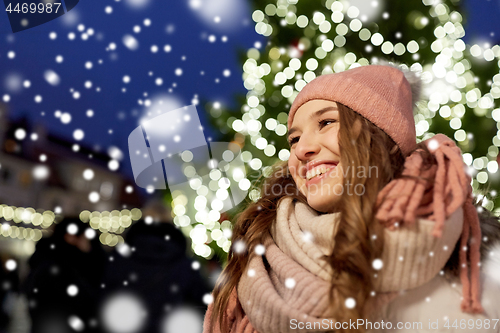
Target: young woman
pixel 360 224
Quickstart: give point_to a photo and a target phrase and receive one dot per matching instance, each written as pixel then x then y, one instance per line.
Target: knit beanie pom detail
pixel 413 79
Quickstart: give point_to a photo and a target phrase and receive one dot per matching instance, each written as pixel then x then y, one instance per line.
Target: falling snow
pixel 130 42
pixel 350 303
pixel 113 165
pixel 72 229
pixel 78 134
pixel 20 134
pixel 88 174
pixel 208 299
pixel 260 249
pixel 239 246
pixel 123 313
pixel 65 118
pixel 184 320
pixel 90 233
pixel 76 323
pixel 290 283
pixel 94 197
pixel 377 264
pixel 72 290
pixel 124 249
pixel 51 77
pixel 10 265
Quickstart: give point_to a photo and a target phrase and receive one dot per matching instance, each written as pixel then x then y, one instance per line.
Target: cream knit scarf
pixel 294 287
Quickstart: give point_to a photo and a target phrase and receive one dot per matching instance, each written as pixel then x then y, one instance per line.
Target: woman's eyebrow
pixel 315 115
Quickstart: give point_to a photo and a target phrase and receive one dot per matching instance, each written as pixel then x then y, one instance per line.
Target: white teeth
pixel 319 170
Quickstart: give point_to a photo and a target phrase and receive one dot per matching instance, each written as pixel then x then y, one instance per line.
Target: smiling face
pixel 314 161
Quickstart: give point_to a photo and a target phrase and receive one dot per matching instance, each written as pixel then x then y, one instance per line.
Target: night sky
pixel 196 61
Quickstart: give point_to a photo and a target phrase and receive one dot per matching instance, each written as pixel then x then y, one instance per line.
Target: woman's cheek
pixel 292 167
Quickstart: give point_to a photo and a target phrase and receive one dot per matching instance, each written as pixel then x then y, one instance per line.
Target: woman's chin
pixel 322 205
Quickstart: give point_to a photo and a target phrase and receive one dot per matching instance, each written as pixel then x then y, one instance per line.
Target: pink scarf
pixel 403 199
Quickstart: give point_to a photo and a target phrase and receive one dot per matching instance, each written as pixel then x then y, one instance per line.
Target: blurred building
pixel 47 174
pixel 41 170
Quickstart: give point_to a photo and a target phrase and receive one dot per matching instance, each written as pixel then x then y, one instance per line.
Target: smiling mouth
pixel 319 170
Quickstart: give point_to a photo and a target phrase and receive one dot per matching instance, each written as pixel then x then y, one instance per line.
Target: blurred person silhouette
pixel 63 285
pixel 157 210
pixel 153 272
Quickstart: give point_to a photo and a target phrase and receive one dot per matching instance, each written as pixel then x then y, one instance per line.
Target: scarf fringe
pixel 437 192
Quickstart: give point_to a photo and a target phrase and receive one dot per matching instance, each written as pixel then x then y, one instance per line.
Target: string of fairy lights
pixel 32 225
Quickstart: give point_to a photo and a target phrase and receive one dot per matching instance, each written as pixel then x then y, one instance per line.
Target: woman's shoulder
pixel 438 301
pixel 490 277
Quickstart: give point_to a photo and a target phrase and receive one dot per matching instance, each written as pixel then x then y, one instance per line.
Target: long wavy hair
pixel 359 237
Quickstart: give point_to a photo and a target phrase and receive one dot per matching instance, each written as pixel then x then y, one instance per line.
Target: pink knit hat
pixel 381 94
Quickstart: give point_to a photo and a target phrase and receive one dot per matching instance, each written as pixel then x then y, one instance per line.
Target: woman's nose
pixel 306 147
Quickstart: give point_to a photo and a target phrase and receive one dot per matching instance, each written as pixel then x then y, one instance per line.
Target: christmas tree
pixel 310 38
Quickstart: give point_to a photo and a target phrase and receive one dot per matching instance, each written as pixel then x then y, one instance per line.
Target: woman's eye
pixel 326 122
pixel 293 140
